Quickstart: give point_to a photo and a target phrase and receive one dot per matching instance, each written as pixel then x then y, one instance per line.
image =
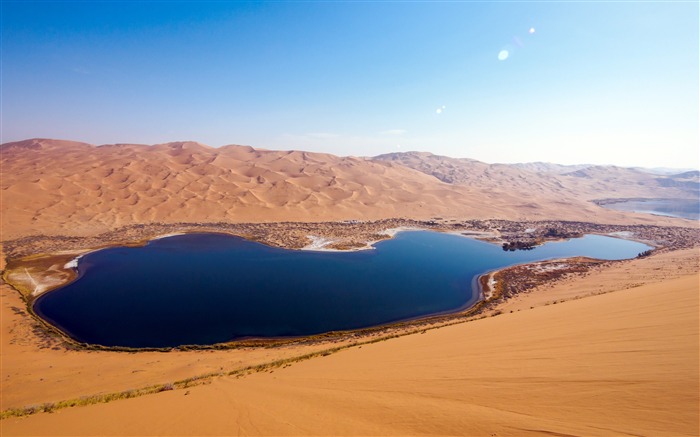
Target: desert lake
pixel 681 208
pixel 201 289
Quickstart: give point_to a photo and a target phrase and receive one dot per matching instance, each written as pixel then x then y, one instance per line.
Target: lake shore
pixel 44 364
pixel 38 273
pixel 113 372
pixel 686 209
pixel 36 264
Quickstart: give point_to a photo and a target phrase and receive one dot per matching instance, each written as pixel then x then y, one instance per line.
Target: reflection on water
pixel 210 288
pixel 682 208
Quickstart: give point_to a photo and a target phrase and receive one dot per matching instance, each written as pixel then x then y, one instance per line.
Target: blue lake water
pixel 681 208
pixel 211 288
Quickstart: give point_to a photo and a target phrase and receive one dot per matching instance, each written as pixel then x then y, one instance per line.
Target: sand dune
pixel 63 187
pixel 621 363
pixel 583 182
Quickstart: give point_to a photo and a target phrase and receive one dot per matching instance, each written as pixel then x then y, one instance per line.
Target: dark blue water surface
pixel 211 288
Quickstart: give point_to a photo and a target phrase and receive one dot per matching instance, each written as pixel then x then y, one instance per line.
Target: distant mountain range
pixel 590 181
pixel 55 186
pixel 548 167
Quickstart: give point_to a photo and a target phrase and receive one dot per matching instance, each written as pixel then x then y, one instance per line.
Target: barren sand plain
pixel 613 351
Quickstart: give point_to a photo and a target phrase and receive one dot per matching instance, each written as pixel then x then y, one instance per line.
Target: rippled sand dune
pixel 616 355
pixel 620 363
pixel 64 187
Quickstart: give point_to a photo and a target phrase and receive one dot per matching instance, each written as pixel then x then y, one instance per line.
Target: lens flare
pixel 503 55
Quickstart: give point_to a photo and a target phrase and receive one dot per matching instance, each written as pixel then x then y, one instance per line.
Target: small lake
pixel 680 208
pixel 211 288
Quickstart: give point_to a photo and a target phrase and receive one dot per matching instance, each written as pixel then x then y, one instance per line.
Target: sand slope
pixel 621 363
pixel 583 182
pixel 63 187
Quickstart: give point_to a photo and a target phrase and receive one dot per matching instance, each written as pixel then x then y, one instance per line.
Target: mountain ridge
pixel 59 186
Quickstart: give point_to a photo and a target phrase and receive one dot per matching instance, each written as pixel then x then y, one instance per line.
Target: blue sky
pixel 585 82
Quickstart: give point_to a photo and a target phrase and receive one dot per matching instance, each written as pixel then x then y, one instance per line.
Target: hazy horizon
pixel 657 169
pixel 515 82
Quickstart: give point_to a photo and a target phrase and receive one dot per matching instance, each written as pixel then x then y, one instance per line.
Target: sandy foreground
pixel 624 362
pixel 610 352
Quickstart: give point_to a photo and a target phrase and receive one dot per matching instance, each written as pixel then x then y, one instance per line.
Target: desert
pixel 349 218
pixel 51 382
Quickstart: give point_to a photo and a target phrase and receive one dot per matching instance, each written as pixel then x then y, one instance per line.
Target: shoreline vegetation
pixel 53 255
pixel 39 264
pixel 554 270
pixel 491 284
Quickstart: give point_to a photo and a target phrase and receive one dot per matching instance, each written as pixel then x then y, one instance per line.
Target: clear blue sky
pixel 586 82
